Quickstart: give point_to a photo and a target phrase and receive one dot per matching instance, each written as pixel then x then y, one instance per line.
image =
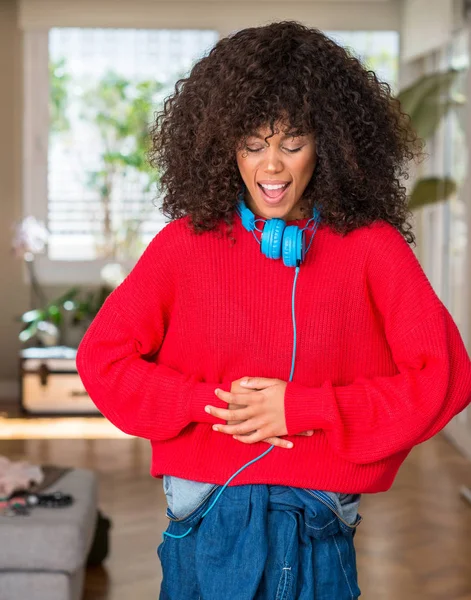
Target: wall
pixel 13 293
pixel 223 15
pixel 420 36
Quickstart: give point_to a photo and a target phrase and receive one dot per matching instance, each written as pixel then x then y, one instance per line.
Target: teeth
pixel 273 187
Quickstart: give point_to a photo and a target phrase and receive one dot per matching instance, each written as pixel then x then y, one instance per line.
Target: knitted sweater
pixel 380 364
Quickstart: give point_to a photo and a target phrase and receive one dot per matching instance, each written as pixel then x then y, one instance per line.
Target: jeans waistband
pixel 276 497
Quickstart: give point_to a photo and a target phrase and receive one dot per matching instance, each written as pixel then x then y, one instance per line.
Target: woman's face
pixel 283 161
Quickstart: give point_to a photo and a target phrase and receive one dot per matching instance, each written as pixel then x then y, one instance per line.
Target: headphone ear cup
pixel 272 238
pixel 293 246
pixel 301 247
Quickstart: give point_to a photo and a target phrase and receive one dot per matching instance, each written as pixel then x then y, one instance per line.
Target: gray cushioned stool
pixel 42 556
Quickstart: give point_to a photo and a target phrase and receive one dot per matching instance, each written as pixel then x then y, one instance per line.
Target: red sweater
pixel 380 364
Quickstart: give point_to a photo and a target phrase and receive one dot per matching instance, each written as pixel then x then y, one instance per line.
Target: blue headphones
pixel 278 239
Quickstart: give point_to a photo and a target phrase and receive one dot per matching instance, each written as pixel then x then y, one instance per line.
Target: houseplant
pixel 427 101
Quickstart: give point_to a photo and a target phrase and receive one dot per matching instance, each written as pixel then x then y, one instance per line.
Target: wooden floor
pixel 414 542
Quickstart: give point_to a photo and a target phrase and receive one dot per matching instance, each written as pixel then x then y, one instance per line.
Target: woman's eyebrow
pixel 291 134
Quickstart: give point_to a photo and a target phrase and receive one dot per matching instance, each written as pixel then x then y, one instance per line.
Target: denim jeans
pixel 260 542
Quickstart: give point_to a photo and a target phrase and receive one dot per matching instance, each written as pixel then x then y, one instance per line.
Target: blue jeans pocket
pixel 177 556
pixel 195 511
pixel 180 526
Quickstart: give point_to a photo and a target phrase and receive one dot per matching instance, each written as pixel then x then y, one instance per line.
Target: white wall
pixel 425 26
pixel 13 293
pixel 223 15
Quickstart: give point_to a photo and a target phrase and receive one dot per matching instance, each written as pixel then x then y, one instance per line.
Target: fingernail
pixel 244 382
pixel 207 409
pixel 289 445
pixel 216 391
pixel 216 428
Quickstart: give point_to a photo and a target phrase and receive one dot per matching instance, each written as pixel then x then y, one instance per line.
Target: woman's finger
pixel 251 438
pixel 240 414
pixel 259 383
pixel 243 427
pixel 276 441
pixel 230 397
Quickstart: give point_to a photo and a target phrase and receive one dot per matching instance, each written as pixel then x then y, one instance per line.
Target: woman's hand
pixel 236 388
pixel 255 411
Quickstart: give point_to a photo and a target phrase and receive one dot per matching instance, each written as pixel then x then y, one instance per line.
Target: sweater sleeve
pixel 116 358
pixel 371 419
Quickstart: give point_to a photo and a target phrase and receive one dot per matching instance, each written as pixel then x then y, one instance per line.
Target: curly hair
pixel 285 70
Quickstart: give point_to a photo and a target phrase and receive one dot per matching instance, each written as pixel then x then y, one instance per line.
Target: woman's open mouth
pixel 273 193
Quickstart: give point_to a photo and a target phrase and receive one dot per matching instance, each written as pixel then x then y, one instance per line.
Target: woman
pixel 279 335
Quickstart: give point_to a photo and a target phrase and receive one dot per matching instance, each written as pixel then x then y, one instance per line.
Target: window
pixel 105 85
pixel 378 51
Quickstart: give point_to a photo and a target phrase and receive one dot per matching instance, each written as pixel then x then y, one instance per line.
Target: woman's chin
pixel 278 212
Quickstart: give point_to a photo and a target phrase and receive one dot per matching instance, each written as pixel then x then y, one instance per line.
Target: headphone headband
pixel 248 218
pixel 278 239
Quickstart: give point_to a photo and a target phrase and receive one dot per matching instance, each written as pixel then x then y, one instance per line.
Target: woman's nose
pixel 273 162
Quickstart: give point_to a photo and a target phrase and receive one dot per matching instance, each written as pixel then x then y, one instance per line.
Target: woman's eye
pixel 290 150
pixel 293 149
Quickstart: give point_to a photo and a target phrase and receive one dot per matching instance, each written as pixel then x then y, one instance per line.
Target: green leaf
pixel 431 190
pixel 59 81
pixel 33 315
pixel 426 87
pixel 54 314
pixel 427 119
pixel 427 100
pixel 29 332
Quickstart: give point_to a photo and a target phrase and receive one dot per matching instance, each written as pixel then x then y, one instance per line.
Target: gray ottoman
pixel 42 556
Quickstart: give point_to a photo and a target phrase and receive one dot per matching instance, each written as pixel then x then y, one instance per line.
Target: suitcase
pixel 50 383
